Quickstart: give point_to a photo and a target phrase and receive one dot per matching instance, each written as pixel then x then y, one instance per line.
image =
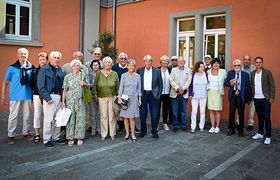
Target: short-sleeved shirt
pixel 17 91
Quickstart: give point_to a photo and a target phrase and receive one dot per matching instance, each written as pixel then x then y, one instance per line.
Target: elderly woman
pixel 95 127
pixel 72 94
pixel 164 97
pixel 37 101
pixel 198 95
pixel 216 77
pixel 106 86
pixel 131 86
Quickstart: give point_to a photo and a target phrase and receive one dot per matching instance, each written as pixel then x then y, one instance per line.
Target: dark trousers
pixel 179 107
pixel 148 99
pixel 236 103
pixel 263 109
pixel 166 108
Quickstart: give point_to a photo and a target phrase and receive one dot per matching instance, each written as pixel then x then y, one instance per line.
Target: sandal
pixel 80 142
pixel 36 139
pixel 70 142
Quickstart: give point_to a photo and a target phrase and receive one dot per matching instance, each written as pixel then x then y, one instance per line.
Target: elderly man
pixel 173 62
pixel 263 93
pixel 151 87
pixel 97 54
pixel 180 80
pixel 207 62
pixel 18 76
pixel 239 93
pixel 49 82
pixel 66 69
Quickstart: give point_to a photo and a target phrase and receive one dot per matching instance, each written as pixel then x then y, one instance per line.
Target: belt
pixel 56 93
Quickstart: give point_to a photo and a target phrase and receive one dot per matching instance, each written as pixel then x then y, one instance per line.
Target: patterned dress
pixel 76 125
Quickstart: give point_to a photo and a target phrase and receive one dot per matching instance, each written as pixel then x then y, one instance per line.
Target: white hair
pixel 131 61
pixel 181 57
pixel 97 49
pixel 74 61
pixel 236 60
pixel 107 59
pixel 122 54
pixel 148 58
pixel 78 52
pixel 22 50
pixel 53 53
pixel 164 58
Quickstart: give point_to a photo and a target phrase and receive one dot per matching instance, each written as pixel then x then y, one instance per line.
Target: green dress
pixel 76 125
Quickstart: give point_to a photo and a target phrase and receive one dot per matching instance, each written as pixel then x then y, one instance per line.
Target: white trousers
pixel 202 107
pixel 107 120
pixel 251 114
pixel 38 111
pixel 50 132
pixel 13 117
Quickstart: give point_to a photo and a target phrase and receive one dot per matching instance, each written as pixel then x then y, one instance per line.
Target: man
pixel 263 94
pixel 248 68
pixel 151 87
pixel 180 80
pixel 207 62
pixel 18 76
pixel 66 69
pixel 173 62
pixel 239 94
pixel 49 82
pixel 97 54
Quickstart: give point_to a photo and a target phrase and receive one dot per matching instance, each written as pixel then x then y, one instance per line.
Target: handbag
pixel 62 116
pixel 124 104
pixel 87 96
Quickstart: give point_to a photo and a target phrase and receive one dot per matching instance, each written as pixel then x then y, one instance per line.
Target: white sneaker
pixel 192 130
pixel 216 130
pixel 257 136
pixel 267 141
pixel 201 129
pixel 212 130
pixel 165 126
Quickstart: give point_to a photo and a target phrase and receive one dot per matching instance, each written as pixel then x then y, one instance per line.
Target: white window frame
pixel 18 4
pixel 214 32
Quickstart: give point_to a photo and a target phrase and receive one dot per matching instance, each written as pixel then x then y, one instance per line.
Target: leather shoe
pixel 241 133
pixel 142 135
pixel 175 129
pixel 155 135
pixel 249 128
pixel 230 132
pixel 184 129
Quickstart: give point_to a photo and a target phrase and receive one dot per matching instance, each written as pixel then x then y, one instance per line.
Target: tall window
pixel 18 19
pixel 185 39
pixel 214 36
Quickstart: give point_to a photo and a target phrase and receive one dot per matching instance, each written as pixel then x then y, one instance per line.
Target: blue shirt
pixel 17 91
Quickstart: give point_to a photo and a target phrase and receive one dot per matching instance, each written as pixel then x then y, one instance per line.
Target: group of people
pixel 120 92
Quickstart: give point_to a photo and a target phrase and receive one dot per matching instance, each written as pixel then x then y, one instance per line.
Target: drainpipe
pixel 82 23
pixel 114 22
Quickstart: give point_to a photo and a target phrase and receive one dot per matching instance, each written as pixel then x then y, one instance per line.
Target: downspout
pixel 82 23
pixel 114 23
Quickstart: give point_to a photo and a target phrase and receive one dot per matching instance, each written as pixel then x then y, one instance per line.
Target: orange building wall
pixel 59 31
pixel 142 28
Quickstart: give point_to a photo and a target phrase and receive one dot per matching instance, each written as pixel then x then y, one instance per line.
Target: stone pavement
pixel 180 155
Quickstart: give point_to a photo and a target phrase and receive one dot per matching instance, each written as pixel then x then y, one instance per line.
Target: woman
pixel 72 94
pixel 95 65
pixel 164 97
pixel 37 101
pixel 106 86
pixel 131 86
pixel 216 77
pixel 198 95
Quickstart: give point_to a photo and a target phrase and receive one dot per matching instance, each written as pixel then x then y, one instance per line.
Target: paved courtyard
pixel 180 155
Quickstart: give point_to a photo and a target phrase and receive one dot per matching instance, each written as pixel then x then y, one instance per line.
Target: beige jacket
pixel 174 81
pixel 222 75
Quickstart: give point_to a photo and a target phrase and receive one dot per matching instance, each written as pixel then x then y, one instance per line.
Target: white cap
pixel 207 56
pixel 174 57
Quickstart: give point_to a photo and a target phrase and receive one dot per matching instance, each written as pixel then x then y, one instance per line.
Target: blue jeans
pixel 179 103
pixel 148 99
pixel 263 108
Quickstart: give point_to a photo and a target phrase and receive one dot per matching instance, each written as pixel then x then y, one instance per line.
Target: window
pixel 185 40
pixel 18 19
pixel 214 37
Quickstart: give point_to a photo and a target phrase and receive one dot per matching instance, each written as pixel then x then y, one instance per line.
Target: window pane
pixel 191 52
pixel 186 25
pixel 24 20
pixel 210 40
pixel 26 0
pixel 221 49
pixel 182 47
pixel 216 22
pixel 10 19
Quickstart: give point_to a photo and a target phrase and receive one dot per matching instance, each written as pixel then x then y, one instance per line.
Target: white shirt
pixel 258 86
pixel 120 66
pixel 148 74
pixel 238 80
pixel 200 86
pixel 165 79
pixel 181 77
pixel 213 81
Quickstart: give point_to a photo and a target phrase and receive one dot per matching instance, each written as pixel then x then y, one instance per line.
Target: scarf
pixel 24 77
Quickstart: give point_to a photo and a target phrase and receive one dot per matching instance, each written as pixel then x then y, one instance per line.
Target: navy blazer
pixel 157 84
pixel 245 89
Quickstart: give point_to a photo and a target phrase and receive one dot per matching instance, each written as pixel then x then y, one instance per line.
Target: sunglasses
pixel 97 54
pixel 123 58
pixel 237 65
pixel 173 59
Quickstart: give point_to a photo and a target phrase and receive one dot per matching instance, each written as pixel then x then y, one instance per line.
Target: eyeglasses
pixel 123 58
pixel 237 65
pixel 173 59
pixel 97 54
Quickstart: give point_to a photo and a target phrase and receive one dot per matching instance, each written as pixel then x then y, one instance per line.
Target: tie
pixel 237 81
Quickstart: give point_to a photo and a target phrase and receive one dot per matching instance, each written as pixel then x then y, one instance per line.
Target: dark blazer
pixel 268 86
pixel 245 91
pixel 157 83
pixel 168 68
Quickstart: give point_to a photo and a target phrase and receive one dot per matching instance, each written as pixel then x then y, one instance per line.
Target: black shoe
pixel 120 130
pixel 184 129
pixel 230 132
pixel 142 135
pixel 155 136
pixel 49 145
pixel 175 129
pixel 250 128
pixel 236 126
pixel 241 133
pixel 136 130
pixel 60 141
